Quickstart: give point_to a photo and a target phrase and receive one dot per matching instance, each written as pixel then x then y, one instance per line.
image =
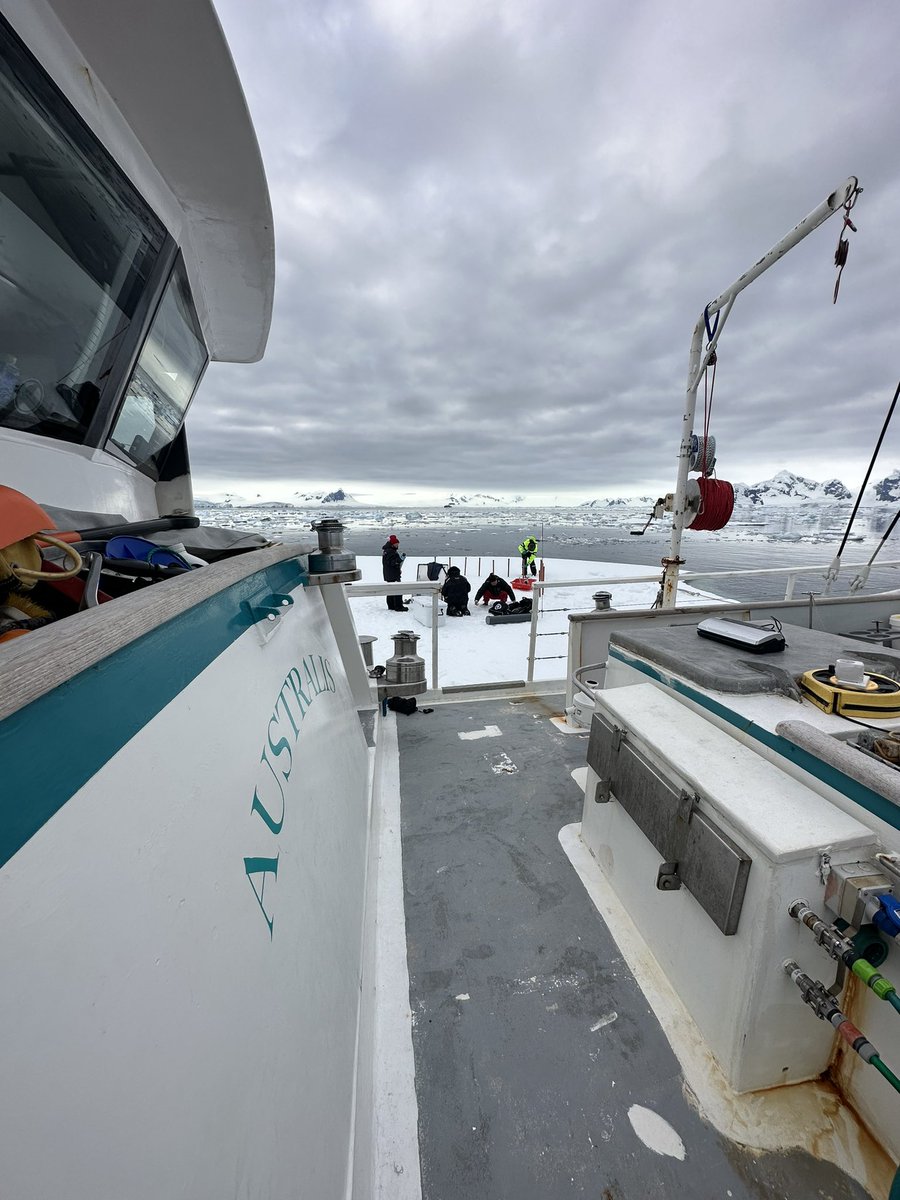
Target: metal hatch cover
pixel 697 853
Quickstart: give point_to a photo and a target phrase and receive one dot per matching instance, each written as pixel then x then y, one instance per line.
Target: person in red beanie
pixel 391 567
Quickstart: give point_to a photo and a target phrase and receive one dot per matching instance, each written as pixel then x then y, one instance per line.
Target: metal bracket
pixel 618 736
pixel 602 791
pixel 687 802
pixel 667 878
pixel 824 865
pixel 838 986
pixel 266 614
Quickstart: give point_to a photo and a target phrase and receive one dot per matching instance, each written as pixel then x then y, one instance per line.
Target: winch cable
pixel 824 1005
pixel 843 246
pixel 716 504
pixel 709 388
pixel 716 496
pixel 842 950
pixel 832 573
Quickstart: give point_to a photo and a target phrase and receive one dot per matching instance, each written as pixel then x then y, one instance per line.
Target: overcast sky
pixel 496 223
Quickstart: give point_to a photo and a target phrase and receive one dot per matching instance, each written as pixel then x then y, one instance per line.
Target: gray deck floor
pixel 510 967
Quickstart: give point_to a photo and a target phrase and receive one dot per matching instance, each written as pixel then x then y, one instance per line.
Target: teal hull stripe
pixel 852 788
pixel 52 747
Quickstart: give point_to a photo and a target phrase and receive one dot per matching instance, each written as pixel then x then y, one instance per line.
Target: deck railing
pixel 421 587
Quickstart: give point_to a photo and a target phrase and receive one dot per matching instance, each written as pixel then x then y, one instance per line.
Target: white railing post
pixel 435 609
pixel 532 635
pixel 336 600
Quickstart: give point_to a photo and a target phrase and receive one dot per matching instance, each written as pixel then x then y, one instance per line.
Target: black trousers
pixel 395 603
pixel 526 564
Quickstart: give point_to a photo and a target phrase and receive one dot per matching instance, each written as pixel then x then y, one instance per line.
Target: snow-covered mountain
pixel 887 490
pixel 221 500
pixel 788 488
pixel 338 496
pixel 619 502
pixel 784 489
pixel 481 500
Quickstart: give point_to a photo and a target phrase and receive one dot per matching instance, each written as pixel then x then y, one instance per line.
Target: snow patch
pixel 503 765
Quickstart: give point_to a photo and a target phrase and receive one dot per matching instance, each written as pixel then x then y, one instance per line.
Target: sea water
pixel 482 540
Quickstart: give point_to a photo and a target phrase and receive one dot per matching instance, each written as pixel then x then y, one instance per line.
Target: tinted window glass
pixel 167 372
pixel 77 245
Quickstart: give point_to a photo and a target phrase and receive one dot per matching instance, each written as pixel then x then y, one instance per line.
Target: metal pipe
pixel 827 208
pixel 532 632
pixel 687 576
pixel 435 609
pixel 578 671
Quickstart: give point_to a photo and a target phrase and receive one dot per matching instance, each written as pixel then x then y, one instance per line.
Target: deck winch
pixel 332 562
pixel 405 669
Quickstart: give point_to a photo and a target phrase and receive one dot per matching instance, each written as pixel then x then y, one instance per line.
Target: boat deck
pixel 540 1069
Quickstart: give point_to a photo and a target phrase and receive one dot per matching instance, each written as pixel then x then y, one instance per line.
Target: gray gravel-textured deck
pixel 518 1095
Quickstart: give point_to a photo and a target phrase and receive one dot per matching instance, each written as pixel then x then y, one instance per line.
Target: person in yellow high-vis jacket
pixel 528 550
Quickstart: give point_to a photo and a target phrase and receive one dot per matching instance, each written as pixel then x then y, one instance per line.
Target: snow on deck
pixel 471 651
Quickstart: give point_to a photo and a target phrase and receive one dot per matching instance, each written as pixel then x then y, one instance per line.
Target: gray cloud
pixel 497 222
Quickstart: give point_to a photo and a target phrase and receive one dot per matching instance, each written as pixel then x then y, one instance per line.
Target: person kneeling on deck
pixel 528 550
pixel 456 593
pixel 494 588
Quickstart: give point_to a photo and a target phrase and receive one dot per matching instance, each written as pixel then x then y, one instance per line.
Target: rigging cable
pixel 863 577
pixel 832 573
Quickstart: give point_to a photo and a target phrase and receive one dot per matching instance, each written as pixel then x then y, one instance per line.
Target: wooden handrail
pixel 34 665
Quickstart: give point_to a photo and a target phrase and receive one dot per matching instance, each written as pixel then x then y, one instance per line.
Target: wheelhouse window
pixel 167 373
pixel 77 247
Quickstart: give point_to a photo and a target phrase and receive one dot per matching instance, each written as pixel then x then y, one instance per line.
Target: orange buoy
pixel 20 517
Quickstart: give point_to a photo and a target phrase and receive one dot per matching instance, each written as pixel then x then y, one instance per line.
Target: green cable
pixel 886 1072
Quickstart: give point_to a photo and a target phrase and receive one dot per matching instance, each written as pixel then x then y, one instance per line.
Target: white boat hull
pixel 183 938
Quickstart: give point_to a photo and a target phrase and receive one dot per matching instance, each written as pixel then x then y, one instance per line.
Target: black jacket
pixel 499 590
pixel 456 589
pixel 391 562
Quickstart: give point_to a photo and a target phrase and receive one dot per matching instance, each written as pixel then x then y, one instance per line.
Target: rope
pixel 24 573
pixel 703 454
pixel 709 388
pixel 711 331
pixel 716 504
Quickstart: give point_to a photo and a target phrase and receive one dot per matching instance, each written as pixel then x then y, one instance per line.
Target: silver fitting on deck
pixel 332 563
pixel 405 670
